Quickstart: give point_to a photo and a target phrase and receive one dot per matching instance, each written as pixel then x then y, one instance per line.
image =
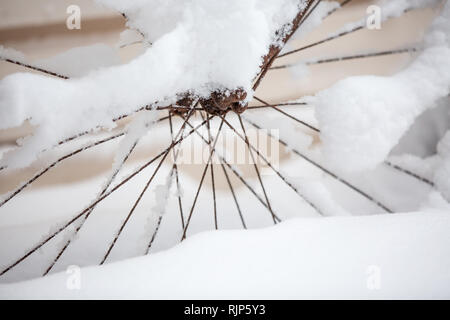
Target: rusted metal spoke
pixel 343 181
pixel 201 181
pixel 79 135
pixel 212 175
pixel 234 195
pixel 130 44
pixel 275 50
pixel 133 208
pixel 351 57
pixel 288 115
pixel 35 68
pixel 256 169
pixel 175 166
pixel 398 168
pixel 282 177
pixel 155 232
pixel 278 105
pixel 408 172
pixel 53 164
pixel 83 212
pixel 330 38
pixel 356 28
pixel 237 174
pixel 84 219
pixel 174 169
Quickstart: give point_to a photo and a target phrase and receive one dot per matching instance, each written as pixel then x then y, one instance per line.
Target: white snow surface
pixel 362 118
pixel 387 256
pixel 198 46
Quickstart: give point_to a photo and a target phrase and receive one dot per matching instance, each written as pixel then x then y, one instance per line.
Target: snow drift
pixel 362 118
pixel 387 256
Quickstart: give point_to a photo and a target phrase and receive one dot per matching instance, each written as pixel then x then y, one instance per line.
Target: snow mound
pixel 387 256
pixel 362 118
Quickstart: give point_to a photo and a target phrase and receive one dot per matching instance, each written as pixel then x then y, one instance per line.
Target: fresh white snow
pixel 362 118
pixel 388 256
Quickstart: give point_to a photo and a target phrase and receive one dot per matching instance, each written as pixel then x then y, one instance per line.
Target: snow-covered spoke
pixel 28 66
pixel 238 175
pixel 283 104
pixel 144 190
pixel 282 177
pixel 325 170
pixel 134 132
pixel 211 168
pixel 177 178
pixel 247 142
pixel 408 172
pixel 162 191
pixel 84 219
pixel 397 100
pixel 349 57
pixel 284 35
pixel 390 9
pixel 86 147
pixel 125 180
pixel 357 28
pixel 288 115
pixel 53 164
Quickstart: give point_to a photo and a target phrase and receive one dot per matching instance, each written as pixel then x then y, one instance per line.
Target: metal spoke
pixel 238 175
pixel 212 175
pixel 53 164
pixel 79 135
pixel 83 212
pixel 408 172
pixel 282 104
pixel 174 169
pixel 350 57
pixel 180 205
pixel 234 195
pixel 283 178
pixel 397 167
pixel 345 182
pixel 83 221
pixel 339 35
pixel 130 213
pixel 256 168
pixel 298 21
pixel 201 181
pixel 361 26
pixel 288 115
pixel 25 65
